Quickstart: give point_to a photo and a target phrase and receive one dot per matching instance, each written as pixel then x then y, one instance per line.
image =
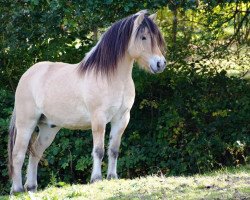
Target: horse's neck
pixel 124 68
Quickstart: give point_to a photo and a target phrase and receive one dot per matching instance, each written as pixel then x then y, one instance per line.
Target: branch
pixel 238 29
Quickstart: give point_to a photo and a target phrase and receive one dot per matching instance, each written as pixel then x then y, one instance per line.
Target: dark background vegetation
pixel 193 118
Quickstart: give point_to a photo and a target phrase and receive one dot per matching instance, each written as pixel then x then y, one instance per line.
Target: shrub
pixel 188 122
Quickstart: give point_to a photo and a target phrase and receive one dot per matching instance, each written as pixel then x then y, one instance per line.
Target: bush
pixel 188 122
pixel 6 103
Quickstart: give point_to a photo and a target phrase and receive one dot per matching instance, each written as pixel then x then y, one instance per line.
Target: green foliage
pixel 201 122
pixel 192 118
pixel 6 103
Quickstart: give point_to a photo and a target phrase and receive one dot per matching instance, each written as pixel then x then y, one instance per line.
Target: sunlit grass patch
pixel 232 183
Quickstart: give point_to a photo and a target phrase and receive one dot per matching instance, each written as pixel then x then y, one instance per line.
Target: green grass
pixel 231 183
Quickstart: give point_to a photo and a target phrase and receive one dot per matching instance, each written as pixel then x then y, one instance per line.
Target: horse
pixel 86 95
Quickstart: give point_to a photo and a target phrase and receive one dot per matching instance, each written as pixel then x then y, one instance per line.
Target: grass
pixel 231 183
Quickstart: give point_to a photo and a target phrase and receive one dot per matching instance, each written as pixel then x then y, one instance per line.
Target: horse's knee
pixel 99 152
pixel 114 153
pixel 17 157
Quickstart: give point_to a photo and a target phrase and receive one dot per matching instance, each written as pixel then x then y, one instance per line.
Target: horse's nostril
pixel 158 65
pixel 165 62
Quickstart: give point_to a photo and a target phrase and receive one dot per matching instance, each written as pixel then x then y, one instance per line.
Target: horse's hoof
pixel 32 188
pixel 96 179
pixel 16 191
pixel 112 176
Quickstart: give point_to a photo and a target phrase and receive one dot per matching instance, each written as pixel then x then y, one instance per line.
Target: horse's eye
pixel 143 38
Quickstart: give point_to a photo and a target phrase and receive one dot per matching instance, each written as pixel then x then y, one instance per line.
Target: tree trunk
pixel 95 36
pixel 175 24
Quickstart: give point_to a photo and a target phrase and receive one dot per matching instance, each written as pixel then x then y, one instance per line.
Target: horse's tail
pixel 11 143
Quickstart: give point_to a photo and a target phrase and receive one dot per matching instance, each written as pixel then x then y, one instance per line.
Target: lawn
pixel 223 184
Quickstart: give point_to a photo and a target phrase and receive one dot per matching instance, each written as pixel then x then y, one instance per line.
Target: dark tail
pixel 11 143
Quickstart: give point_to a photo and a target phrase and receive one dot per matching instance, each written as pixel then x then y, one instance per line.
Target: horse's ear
pixel 152 17
pixel 139 19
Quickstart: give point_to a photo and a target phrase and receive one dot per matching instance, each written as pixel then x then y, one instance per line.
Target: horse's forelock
pixel 154 32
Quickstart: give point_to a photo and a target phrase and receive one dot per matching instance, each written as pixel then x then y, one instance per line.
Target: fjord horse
pixel 87 95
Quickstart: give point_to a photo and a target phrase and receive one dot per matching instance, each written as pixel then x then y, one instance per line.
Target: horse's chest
pixel 114 108
pixel 116 104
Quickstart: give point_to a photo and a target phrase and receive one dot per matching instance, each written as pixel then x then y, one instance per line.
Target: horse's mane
pixel 112 46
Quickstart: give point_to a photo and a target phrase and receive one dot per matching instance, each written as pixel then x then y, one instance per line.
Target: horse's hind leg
pixel 42 142
pixel 25 126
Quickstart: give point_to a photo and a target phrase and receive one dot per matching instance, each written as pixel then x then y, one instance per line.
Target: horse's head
pixel 146 44
pixel 136 35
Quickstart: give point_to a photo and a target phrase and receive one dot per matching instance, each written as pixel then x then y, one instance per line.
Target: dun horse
pixel 87 95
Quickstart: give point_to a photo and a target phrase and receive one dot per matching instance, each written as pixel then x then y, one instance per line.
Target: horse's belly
pixel 70 119
pixel 82 123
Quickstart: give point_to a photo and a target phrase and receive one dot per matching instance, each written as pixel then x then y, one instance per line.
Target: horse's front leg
pixel 98 131
pixel 118 126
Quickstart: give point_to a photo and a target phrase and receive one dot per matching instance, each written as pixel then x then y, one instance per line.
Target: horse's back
pixel 37 75
pixel 45 68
